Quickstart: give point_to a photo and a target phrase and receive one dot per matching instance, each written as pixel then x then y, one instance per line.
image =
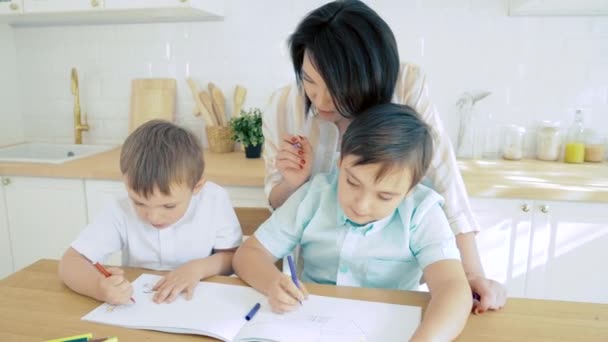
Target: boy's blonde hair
pixel 159 154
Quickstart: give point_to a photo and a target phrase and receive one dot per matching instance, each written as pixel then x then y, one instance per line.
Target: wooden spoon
pixel 239 98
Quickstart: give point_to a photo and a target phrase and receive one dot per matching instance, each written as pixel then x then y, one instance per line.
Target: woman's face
pixel 317 92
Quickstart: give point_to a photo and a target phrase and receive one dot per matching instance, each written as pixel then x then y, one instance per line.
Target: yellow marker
pixel 83 337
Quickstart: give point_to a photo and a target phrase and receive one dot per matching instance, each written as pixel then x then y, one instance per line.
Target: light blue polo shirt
pixel 389 253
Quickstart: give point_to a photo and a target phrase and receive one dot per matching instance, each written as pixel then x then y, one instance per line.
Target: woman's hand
pixel 492 294
pixel 294 160
pixel 183 279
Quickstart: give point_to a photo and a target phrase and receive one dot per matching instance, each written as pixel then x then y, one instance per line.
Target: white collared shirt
pixel 285 114
pixel 208 224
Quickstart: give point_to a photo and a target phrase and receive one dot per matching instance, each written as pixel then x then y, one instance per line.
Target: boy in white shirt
pixel 173 219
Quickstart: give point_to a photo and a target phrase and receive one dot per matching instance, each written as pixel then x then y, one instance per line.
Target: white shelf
pixel 558 7
pixel 192 10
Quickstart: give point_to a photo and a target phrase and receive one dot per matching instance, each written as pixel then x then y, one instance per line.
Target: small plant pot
pixel 253 151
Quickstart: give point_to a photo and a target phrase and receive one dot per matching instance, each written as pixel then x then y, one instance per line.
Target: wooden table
pixel 35 305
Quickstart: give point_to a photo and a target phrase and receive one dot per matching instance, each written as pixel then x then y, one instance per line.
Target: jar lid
pixel 550 124
pixel 516 128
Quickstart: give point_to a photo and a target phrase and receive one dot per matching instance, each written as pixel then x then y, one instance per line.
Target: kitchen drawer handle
pixel 14 6
pixel 6 181
pixel 544 208
pixel 525 208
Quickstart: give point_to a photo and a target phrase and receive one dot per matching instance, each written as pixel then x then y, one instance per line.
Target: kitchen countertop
pixel 228 169
pixel 526 179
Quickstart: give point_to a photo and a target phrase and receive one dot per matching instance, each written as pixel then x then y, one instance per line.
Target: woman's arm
pixel 412 89
pixel 450 304
pixel 287 157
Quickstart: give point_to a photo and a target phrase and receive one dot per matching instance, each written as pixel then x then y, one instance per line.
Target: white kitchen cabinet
pixel 10 7
pixel 569 252
pixel 44 216
pixel 504 240
pixel 557 7
pixel 211 6
pixel 545 249
pixel 99 193
pixel 96 12
pixel 6 254
pixel 55 6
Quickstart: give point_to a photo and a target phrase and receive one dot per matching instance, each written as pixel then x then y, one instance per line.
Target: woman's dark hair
pixel 353 49
pixel 392 135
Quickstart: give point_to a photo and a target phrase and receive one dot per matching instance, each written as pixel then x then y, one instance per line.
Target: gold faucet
pixel 78 125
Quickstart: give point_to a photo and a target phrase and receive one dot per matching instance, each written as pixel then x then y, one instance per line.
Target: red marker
pixel 105 273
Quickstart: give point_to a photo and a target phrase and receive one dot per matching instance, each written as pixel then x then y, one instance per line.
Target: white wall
pixel 537 67
pixel 10 115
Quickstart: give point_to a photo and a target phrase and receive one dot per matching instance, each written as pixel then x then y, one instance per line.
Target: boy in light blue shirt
pixel 370 224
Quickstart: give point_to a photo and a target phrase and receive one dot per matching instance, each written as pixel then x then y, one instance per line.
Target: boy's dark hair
pixel 392 135
pixel 353 49
pixel 159 154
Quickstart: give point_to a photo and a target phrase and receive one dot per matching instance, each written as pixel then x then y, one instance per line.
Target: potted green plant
pixel 247 130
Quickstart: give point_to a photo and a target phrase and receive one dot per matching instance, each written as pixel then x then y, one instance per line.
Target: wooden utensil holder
pixel 220 139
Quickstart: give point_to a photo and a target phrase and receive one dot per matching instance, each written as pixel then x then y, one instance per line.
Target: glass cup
pixel 513 142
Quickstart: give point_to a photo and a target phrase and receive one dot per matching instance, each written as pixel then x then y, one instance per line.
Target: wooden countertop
pixel 222 168
pixel 35 305
pixel 526 179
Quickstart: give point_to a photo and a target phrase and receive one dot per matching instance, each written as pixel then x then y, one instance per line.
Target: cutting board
pixel 152 98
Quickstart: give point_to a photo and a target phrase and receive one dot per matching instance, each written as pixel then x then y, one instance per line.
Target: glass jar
pixel 513 142
pixel 594 147
pixel 548 144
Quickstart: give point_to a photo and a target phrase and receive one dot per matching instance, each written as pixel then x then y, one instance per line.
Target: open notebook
pixel 218 310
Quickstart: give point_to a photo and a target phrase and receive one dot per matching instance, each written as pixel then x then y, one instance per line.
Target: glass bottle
pixel 575 145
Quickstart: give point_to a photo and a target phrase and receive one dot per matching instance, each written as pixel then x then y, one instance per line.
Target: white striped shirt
pixel 285 114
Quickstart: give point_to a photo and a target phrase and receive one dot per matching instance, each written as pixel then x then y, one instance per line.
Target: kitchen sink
pixel 49 152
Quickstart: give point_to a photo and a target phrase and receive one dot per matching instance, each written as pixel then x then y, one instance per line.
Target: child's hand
pixel 284 295
pixel 294 160
pixel 184 278
pixel 115 289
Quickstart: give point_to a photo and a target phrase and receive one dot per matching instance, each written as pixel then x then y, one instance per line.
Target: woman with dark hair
pixel 346 60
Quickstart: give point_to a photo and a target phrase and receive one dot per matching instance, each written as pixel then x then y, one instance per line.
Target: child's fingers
pixel 159 283
pixel 175 292
pixel 304 290
pixel 291 289
pixel 162 294
pixel 115 271
pixel 125 286
pixel 190 291
pixel 114 280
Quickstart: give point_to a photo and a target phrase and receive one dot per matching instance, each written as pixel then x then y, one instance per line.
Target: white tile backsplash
pixel 537 68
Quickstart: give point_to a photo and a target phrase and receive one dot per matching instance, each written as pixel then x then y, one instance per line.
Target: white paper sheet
pixel 219 310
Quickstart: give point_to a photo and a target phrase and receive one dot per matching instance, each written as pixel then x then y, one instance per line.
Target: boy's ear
pixel 199 185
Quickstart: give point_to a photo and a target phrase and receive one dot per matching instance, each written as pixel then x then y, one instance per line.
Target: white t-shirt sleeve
pixel 228 232
pixel 102 237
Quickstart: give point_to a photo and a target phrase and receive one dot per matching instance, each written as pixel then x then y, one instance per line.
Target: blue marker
pixel 252 312
pixel 292 270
